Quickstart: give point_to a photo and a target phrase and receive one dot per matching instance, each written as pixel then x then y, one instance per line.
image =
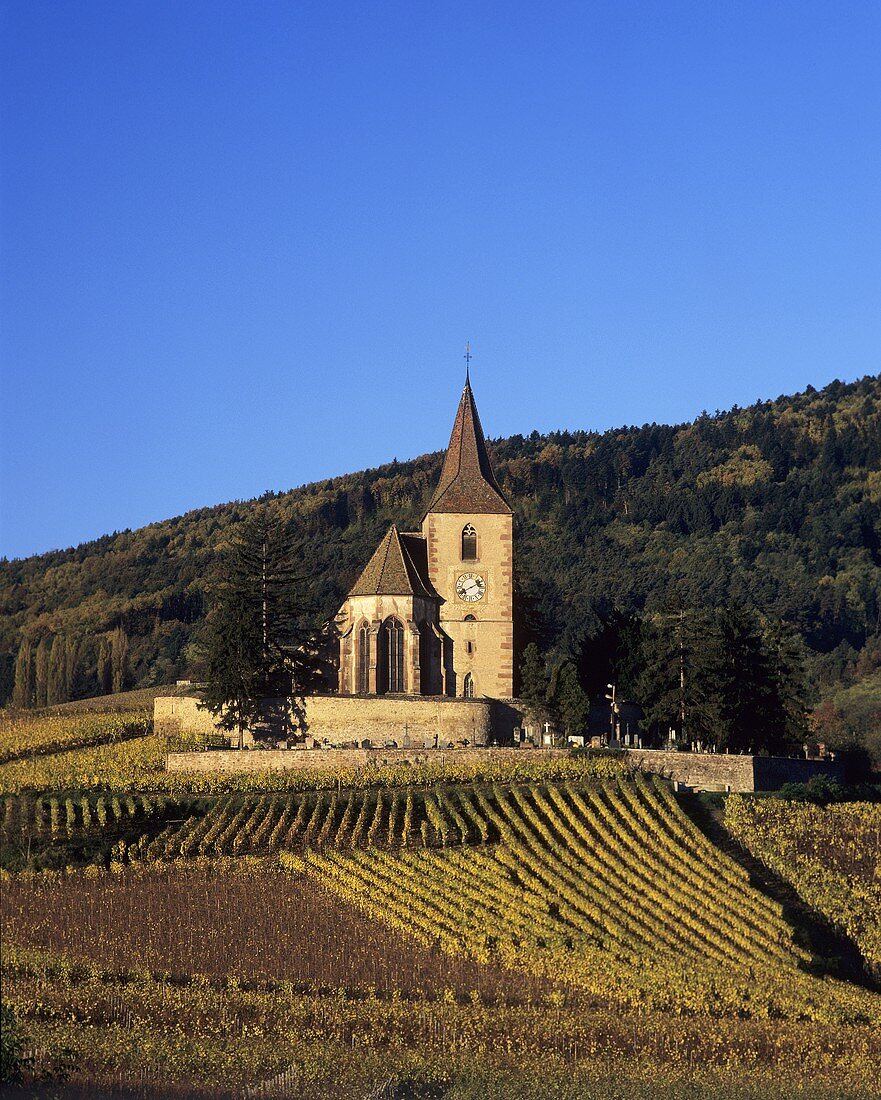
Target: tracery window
pixel 364 659
pixel 391 653
pixel 468 686
pixel 469 543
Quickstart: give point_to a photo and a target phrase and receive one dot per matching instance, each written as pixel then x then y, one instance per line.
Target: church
pixel 423 645
pixel 432 611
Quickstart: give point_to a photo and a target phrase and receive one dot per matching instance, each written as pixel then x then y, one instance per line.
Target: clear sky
pixel 243 244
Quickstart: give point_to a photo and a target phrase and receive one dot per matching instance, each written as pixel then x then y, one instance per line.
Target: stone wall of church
pixel 490 660
pixel 339 719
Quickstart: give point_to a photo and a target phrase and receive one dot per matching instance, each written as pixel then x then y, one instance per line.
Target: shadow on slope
pixel 834 953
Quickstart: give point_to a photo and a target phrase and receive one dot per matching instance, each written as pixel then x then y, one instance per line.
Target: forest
pixel 770 513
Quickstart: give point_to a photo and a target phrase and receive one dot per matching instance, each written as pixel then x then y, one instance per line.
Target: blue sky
pixel 243 244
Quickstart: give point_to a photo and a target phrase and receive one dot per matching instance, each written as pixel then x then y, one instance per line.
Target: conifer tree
pixel 41 673
pixel 23 691
pixel 260 642
pixel 787 721
pixel 534 680
pixel 569 699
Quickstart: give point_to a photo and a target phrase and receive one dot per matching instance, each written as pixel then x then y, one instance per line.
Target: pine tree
pixel 260 642
pixel 119 664
pixel 742 682
pixel 23 692
pixel 681 661
pixel 41 673
pixel 57 683
pixel 787 720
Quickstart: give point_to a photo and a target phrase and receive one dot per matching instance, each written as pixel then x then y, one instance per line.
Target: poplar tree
pixel 41 673
pixel 104 670
pixel 72 656
pixel 119 660
pixel 57 690
pixel 23 691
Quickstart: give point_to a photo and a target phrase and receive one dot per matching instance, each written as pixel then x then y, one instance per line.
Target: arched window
pixel 469 543
pixel 470 619
pixel 468 686
pixel 363 677
pixel 391 657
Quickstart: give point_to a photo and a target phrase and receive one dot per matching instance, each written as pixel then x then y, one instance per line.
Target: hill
pixel 775 508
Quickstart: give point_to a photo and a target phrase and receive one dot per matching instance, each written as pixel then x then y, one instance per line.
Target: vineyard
pixel 831 855
pixel 487 931
pixel 102 761
pixel 27 737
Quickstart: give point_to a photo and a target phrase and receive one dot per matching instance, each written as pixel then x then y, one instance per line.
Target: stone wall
pixel 705 771
pixel 179 714
pixel 409 721
pixel 771 772
pixel 306 760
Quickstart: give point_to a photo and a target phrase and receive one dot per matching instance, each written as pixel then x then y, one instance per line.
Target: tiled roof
pixel 393 569
pixel 467 483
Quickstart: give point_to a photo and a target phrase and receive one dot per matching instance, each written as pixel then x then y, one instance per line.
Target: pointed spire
pixel 467 483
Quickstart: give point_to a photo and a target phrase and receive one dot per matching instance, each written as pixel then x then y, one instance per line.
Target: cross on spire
pixel 468 358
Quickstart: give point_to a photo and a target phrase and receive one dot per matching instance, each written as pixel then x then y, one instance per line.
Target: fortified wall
pixel 373 721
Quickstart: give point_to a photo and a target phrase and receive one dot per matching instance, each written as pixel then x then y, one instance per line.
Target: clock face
pixel 470 587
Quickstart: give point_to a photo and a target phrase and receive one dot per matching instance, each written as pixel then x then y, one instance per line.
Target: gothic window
pixel 469 543
pixel 468 686
pixel 363 685
pixel 470 619
pixel 391 657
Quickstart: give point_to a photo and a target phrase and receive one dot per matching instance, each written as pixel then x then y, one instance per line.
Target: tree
pixel 680 668
pixel 119 662
pixel 569 699
pixel 104 670
pixel 533 677
pixel 260 640
pixel 41 673
pixel 23 692
pixel 58 685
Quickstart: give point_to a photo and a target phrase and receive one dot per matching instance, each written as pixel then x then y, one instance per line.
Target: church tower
pixel 432 611
pixel 468 536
